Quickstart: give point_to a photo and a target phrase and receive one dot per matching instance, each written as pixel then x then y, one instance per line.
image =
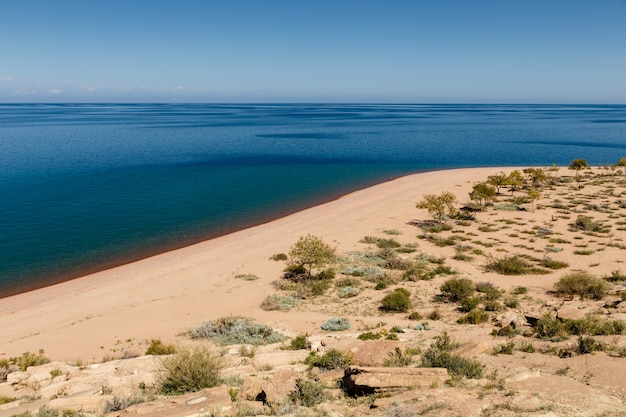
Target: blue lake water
pixel 86 187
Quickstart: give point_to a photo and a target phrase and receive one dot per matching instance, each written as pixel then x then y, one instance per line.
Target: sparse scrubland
pixel 497 288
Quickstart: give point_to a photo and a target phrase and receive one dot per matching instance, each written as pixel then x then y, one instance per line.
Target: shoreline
pixel 38 282
pixel 164 295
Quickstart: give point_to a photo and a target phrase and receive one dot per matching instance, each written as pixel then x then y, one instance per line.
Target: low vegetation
pixel 236 330
pixel 190 370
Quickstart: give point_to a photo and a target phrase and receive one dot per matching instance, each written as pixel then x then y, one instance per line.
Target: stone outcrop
pixel 369 380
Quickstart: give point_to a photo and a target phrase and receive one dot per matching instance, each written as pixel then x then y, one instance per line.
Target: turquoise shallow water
pixel 85 187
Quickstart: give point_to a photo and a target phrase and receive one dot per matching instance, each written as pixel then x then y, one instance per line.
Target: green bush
pixel 582 284
pixel 551 328
pixel 468 304
pixel 332 359
pixel 236 330
pixel 587 224
pixel 369 336
pixel 397 301
pixel 504 349
pixel 475 316
pixel 297 343
pixel 457 289
pixel 336 324
pixel 157 347
pixel 190 370
pixel 279 302
pixel 349 291
pixel 30 359
pixel 308 393
pixel 616 276
pixel 439 355
pixel 509 265
pixel 279 257
pixel 550 263
pixel 588 345
pixel 488 290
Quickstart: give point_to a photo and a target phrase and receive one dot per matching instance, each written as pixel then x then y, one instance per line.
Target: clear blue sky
pixel 498 51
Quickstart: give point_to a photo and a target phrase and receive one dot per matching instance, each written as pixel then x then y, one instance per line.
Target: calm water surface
pixel 86 187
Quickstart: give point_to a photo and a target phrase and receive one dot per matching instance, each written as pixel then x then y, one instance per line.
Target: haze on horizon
pixel 446 51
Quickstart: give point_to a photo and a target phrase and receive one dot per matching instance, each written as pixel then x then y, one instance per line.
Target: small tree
pixel 515 181
pixel 439 206
pixel 577 165
pixel 498 180
pixel 483 192
pixel 536 176
pixel 622 163
pixel 534 195
pixel 311 252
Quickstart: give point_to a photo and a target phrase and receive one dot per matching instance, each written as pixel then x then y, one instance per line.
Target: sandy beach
pixel 162 296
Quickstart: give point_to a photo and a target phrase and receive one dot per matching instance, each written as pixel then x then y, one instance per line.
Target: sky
pixel 354 51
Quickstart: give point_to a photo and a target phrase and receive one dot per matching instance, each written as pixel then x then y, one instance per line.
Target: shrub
pixel 333 359
pixel 236 330
pixel 616 276
pixel 475 316
pixel 587 224
pixel 347 292
pixel 551 328
pixel 396 301
pixel 247 277
pixel 398 359
pixel 468 304
pixel 520 290
pixel 504 349
pixel 488 290
pixel 336 324
pixel 279 257
pixel 509 265
pixel 279 302
pixel 550 263
pixel 457 289
pixel 190 370
pixel 415 315
pixel 369 336
pixel 308 393
pixel 297 343
pixel 30 359
pixel 588 345
pixel 157 347
pixel 439 355
pixel 582 284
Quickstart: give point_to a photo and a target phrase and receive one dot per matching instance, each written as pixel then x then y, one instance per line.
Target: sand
pixel 162 296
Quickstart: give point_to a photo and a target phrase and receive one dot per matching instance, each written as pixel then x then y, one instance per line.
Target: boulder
pixel 370 352
pixel 210 401
pixel 570 313
pixel 270 390
pixel 473 349
pixel 89 403
pixel 369 380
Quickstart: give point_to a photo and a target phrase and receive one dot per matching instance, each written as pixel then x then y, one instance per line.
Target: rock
pixel 15 378
pixel 88 404
pixel 570 313
pixel 38 380
pixel 330 376
pixel 510 318
pixel 210 401
pixel 279 358
pixel 473 349
pixel 370 352
pixel 272 390
pixel 369 380
pixel 523 376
